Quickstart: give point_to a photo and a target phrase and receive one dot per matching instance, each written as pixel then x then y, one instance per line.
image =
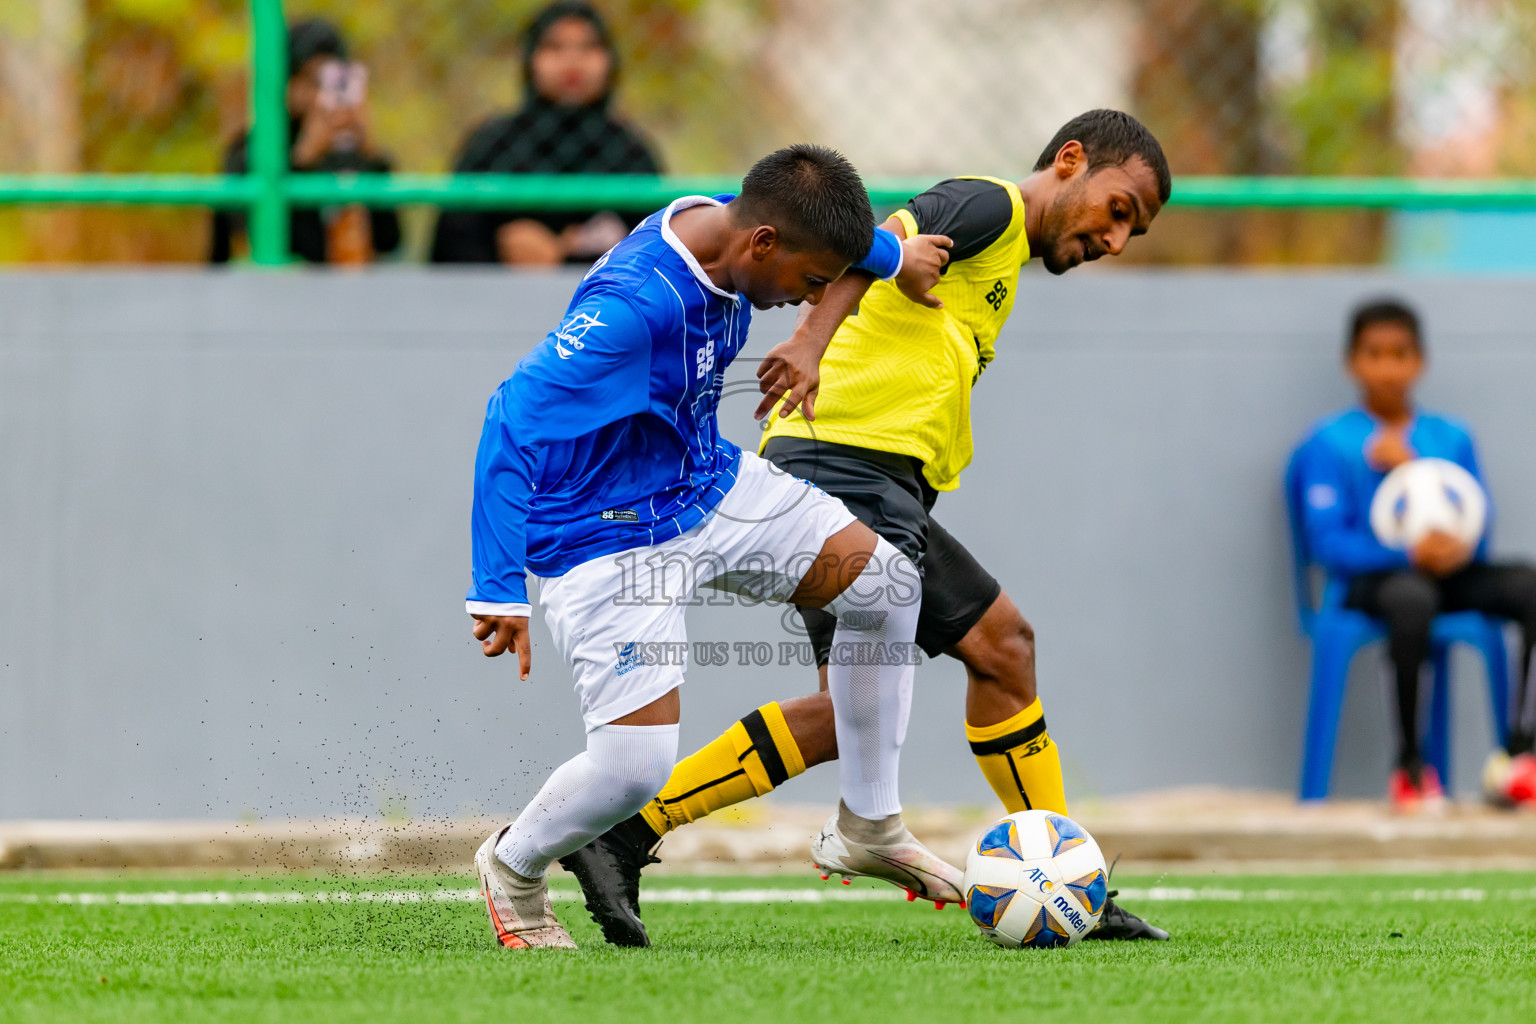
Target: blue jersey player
pixel 602 472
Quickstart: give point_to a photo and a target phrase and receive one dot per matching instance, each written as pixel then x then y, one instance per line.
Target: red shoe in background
pixel 1431 793
pixel 1508 781
pixel 1403 794
pixel 1521 785
pixel 1423 795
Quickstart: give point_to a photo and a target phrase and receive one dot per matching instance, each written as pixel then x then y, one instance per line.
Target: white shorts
pixel 618 619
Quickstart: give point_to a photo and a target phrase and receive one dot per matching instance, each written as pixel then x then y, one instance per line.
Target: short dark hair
pixel 309 38
pixel 1110 138
pixel 814 198
pixel 1383 311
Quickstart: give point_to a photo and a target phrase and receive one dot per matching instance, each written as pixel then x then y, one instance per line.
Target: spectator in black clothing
pixel 570 68
pixel 327 131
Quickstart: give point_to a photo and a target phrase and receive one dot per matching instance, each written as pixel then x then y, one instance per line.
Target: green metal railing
pixel 270 190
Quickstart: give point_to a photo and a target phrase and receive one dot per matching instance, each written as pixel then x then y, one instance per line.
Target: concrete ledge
pixel 1191 827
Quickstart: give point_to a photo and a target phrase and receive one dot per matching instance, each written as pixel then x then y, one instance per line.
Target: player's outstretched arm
pixel 791 372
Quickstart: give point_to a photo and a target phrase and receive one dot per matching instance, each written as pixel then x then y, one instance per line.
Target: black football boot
pixel 1118 923
pixel 608 869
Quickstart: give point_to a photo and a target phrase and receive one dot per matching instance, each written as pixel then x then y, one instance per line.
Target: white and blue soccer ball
pixel 1426 495
pixel 1035 879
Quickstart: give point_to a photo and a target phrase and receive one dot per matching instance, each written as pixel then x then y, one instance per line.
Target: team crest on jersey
pixel 629 658
pixel 569 335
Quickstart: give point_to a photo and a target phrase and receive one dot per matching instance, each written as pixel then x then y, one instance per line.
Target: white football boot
pixel 520 912
pixel 890 852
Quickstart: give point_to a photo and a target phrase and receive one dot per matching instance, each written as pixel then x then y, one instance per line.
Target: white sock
pixel 623 767
pixel 876 615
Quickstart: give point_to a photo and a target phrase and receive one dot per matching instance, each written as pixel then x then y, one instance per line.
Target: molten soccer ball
pixel 1035 879
pixel 1425 495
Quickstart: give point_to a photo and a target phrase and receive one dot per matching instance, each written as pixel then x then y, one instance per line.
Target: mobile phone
pixel 343 84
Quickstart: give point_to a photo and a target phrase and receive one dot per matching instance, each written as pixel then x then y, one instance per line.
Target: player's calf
pixel 870 672
pixel 765 749
pixel 1004 720
pixel 999 657
pixel 869 680
pixel 623 767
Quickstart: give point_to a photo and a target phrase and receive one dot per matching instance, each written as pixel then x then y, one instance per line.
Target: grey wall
pixel 233 535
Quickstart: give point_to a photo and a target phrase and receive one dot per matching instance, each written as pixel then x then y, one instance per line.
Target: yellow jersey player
pixel 885 426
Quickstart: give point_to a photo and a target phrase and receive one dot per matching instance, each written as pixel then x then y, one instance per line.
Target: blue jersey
pixel 605 437
pixel 1338 483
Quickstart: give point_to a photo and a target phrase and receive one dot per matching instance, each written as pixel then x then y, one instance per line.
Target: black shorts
pixel 890 495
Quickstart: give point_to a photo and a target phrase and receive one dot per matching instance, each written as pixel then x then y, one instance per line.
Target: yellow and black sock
pixel 1021 764
pixel 751 758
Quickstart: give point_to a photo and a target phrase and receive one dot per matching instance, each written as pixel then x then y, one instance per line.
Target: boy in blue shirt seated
pixel 1343 462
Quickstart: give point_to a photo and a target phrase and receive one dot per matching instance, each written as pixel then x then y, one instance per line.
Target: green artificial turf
pixel 1294 948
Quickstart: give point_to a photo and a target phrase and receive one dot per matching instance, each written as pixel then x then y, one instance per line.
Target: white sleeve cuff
pixel 491 608
pixel 901 260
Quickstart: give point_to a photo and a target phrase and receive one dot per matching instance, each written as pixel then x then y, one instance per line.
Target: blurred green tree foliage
pixel 160 85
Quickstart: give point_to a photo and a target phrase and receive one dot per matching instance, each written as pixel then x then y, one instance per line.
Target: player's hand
pixel 1389 450
pixel 791 372
pixel 317 134
pixel 500 633
pixel 922 260
pixel 1440 554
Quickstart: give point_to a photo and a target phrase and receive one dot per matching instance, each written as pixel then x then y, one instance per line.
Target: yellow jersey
pixel 897 376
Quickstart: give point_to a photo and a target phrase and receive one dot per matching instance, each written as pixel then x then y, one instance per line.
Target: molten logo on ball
pixel 1036 879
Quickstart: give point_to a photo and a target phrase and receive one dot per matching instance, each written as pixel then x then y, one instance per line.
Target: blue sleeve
pixel 592 370
pixel 1339 536
pixel 884 256
pixel 1467 459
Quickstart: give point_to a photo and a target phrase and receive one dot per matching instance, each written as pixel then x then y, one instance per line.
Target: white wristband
pixel 901 260
pixel 492 608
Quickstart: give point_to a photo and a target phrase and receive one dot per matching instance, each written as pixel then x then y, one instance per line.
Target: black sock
pixel 1522 726
pixel 638 831
pixel 1408 717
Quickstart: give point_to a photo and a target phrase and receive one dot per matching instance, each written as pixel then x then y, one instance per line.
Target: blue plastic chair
pixel 1337 633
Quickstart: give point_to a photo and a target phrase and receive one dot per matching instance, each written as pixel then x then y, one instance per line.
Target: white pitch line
pixel 1171 894
pixel 442 896
pixel 1156 894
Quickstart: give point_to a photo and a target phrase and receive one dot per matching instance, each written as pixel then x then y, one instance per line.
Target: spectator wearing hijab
pixel 570 67
pixel 327 132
